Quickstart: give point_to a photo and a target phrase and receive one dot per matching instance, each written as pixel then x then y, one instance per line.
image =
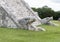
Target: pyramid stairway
pixel 18 9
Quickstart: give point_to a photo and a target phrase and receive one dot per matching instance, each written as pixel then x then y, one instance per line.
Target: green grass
pixel 16 35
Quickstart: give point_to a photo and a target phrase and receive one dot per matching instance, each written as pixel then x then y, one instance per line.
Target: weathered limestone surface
pixel 46 20
pixel 26 23
pixel 18 9
pixel 13 10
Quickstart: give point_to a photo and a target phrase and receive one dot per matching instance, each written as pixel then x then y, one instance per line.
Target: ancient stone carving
pixel 26 23
pixel 46 20
pixel 16 11
pixel 19 9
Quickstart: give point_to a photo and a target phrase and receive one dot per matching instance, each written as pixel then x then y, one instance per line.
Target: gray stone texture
pixel 26 23
pixel 59 19
pixel 46 20
pixel 12 13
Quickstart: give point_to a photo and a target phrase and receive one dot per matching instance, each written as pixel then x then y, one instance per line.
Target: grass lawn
pixel 16 35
